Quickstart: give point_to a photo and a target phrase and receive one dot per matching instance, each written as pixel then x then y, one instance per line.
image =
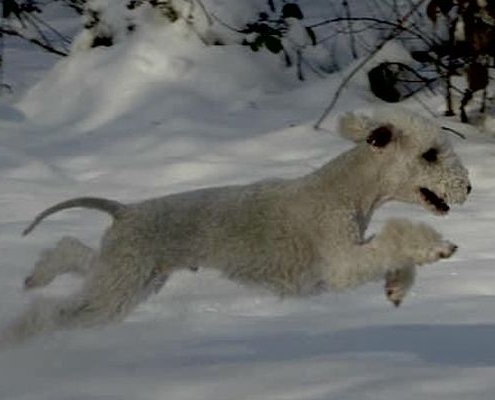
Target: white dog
pixel 295 237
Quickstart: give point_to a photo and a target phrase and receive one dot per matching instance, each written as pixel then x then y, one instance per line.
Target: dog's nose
pixel 469 188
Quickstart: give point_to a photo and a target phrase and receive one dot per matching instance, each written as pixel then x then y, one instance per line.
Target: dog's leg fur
pixel 398 283
pixel 400 245
pixel 69 255
pixel 103 298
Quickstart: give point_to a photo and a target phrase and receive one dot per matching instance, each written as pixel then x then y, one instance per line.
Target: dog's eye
pixel 430 155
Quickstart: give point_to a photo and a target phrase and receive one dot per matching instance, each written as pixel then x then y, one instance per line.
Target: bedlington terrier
pixel 296 237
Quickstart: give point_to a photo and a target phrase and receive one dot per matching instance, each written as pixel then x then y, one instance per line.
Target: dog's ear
pixel 381 136
pixel 355 127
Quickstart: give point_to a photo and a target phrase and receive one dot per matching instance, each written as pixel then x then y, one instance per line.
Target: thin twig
pixel 395 32
pixel 205 12
pixel 34 24
pixel 2 53
pixel 423 79
pixel 221 22
pixel 352 40
pixel 48 48
pixel 311 67
pixel 457 133
pixel 63 38
pixel 397 25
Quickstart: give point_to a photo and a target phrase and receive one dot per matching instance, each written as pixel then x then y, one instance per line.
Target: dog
pixel 295 237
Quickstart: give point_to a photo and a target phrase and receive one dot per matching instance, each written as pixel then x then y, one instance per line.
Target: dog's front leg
pixel 398 283
pixel 401 244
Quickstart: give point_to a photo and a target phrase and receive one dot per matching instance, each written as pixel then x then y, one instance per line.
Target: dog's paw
pixel 446 250
pixel 43 273
pixel 69 255
pixel 436 251
pixel 417 243
pixel 398 283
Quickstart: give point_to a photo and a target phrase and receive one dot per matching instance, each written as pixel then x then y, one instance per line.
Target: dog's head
pixel 418 163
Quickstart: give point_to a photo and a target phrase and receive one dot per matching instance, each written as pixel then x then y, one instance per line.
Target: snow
pixel 152 116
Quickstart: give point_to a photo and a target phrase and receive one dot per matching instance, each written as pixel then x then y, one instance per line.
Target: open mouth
pixel 432 199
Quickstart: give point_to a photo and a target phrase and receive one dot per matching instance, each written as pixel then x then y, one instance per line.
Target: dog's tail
pixel 109 206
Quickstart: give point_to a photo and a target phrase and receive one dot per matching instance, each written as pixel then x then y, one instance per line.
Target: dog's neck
pixel 370 188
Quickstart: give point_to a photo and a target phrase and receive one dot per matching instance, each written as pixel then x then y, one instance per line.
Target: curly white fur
pixel 295 237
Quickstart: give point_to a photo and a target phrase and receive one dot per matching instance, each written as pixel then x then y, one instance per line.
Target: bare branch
pixel 446 128
pixel 37 42
pixel 352 40
pixel 393 34
pixel 396 25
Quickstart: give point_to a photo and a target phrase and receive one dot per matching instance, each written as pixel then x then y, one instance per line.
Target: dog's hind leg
pixel 69 255
pixel 116 286
pixel 108 295
pixel 46 315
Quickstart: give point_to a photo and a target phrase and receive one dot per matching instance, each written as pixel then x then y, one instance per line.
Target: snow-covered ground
pixel 162 114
